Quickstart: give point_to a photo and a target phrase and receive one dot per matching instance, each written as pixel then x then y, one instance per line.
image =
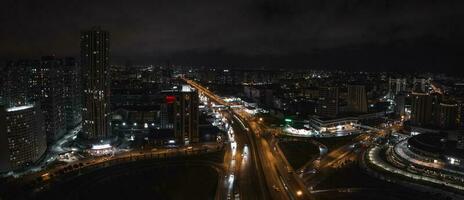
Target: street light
pixel 260 119
pixel 299 193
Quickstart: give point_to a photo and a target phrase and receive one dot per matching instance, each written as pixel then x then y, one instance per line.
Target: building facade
pixel 22 136
pixel 421 109
pixel 72 93
pixel 448 116
pixel 396 85
pixel 357 98
pixel 181 110
pixel 328 102
pixel 40 82
pixel 96 84
pixel 46 89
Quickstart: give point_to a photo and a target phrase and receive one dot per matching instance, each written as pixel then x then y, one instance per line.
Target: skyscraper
pixel 40 82
pixel 46 89
pixel 421 109
pixel 17 81
pixel 400 103
pixel 357 98
pixel 328 102
pixel 182 111
pixel 96 83
pixel 22 136
pixel 448 115
pixel 72 93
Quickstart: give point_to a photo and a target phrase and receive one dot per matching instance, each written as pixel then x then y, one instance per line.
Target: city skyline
pixel 245 99
pixel 385 35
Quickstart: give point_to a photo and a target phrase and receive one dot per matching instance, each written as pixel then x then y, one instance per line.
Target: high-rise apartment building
pixel 46 89
pixel 96 84
pixel 182 112
pixel 17 80
pixel 396 85
pixel 328 102
pixel 72 92
pixel 421 109
pixel 357 98
pixel 419 84
pixel 40 82
pixel 400 103
pixel 22 136
pixel 448 115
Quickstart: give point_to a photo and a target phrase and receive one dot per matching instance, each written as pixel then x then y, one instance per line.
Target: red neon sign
pixel 170 99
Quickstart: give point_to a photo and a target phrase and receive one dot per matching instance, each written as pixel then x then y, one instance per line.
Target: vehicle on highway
pixel 231 178
pixel 277 189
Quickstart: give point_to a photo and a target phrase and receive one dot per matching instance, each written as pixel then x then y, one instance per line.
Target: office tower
pixel 448 115
pixel 22 136
pixel 72 92
pixel 357 98
pixel 46 89
pixel 328 102
pixel 95 80
pixel 421 109
pixel 182 111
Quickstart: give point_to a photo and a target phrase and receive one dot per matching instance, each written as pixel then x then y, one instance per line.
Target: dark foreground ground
pixel 350 183
pixel 169 178
pixel 299 152
pixel 160 182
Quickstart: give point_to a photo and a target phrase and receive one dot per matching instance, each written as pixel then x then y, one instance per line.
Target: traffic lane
pixel 313 179
pixel 286 177
pixel 269 168
pixel 252 142
pixel 288 184
pixel 343 150
pixel 326 163
pixel 250 187
pixel 274 178
pixel 226 187
pixel 285 170
pixel 294 181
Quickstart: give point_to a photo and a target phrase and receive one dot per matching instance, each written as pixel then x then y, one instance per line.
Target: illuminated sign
pixel 170 99
pixel 100 146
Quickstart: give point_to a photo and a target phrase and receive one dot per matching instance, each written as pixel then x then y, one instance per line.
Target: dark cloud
pixel 292 32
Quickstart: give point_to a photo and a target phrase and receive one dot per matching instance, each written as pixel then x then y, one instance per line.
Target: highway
pixel 373 157
pixel 270 166
pixel 332 160
pixel 265 175
pixel 250 181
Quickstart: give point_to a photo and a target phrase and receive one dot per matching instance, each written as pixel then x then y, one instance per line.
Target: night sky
pixel 347 34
